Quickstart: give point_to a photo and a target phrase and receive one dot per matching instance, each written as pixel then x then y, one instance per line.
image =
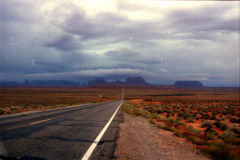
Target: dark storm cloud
pixel 64 43
pixel 45 41
pixel 103 25
pixel 130 56
pixel 200 23
pixel 13 11
pixel 92 73
pixel 203 19
pixel 51 66
pixel 77 23
pixel 109 25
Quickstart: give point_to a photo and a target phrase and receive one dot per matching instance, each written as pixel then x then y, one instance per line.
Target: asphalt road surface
pixel 60 134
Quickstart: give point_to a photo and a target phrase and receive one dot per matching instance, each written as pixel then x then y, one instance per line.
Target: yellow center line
pixel 40 121
pixel 84 110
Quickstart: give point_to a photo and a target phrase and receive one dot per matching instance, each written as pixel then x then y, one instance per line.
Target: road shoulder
pixel 107 145
pixel 138 139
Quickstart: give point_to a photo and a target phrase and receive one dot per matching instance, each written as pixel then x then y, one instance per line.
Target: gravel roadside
pixel 140 140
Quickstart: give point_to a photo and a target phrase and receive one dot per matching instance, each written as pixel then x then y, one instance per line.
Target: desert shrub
pixel 227 133
pixel 158 110
pixel 199 111
pixel 168 115
pixel 236 129
pixel 213 117
pixel 230 137
pixel 206 109
pixel 1 111
pixel 210 135
pixel 169 112
pixel 172 129
pixel 138 112
pixel 190 119
pixel 228 117
pixel 196 140
pixel 225 112
pixel 221 151
pixel 171 120
pixel 233 139
pixel 166 127
pixel 178 118
pixel 186 115
pixel 220 116
pixel 149 109
pixel 182 109
pixel 194 114
pixel 221 124
pixel 128 108
pixel 193 130
pixel 205 116
pixel 151 120
pixel 234 120
pixel 154 116
pixel 178 122
pixel 180 114
pixel 206 124
pixel 216 112
pixel 178 133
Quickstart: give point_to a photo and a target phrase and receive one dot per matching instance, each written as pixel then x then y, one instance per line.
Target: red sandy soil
pixel 22 99
pixel 220 104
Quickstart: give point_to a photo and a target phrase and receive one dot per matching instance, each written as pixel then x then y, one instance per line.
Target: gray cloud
pixel 103 25
pixel 12 11
pixel 207 18
pixel 199 43
pixel 64 43
pixel 129 56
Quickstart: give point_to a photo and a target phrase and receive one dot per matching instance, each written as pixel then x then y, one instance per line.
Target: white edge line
pixel 94 144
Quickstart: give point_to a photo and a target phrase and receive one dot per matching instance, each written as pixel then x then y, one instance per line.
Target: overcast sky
pixel 82 39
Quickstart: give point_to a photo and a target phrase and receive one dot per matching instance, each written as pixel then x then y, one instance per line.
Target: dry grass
pixel 21 99
pixel 179 110
pixel 204 116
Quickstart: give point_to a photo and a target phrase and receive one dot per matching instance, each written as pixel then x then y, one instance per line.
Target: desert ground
pixel 22 99
pixel 206 117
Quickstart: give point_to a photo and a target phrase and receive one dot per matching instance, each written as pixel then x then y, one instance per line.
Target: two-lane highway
pixel 60 134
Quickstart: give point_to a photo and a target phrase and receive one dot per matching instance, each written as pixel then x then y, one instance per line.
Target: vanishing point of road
pixel 66 133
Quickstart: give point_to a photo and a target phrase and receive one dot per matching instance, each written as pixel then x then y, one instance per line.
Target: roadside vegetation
pixel 208 117
pixel 213 125
pixel 22 99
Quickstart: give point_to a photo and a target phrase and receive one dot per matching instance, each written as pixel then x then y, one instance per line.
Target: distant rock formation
pixel 52 83
pixel 40 83
pixel 8 83
pixel 188 84
pixel 129 81
pixel 135 81
pixel 97 81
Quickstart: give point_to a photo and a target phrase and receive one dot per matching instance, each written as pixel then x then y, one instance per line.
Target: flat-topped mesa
pixel 97 81
pixel 129 81
pixel 188 84
pixel 135 81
